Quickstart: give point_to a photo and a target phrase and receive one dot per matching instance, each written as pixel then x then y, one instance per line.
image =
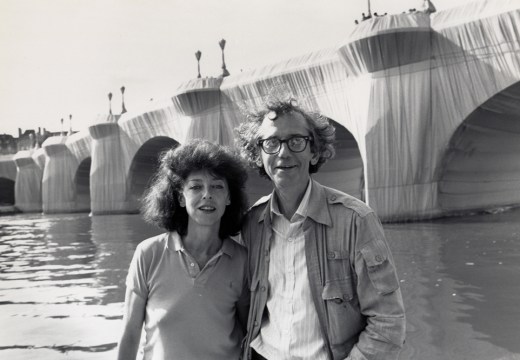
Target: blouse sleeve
pixel 136 279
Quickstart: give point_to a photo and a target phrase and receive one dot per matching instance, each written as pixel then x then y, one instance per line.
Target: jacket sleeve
pixel 378 292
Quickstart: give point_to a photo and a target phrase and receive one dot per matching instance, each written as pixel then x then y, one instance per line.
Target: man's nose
pixel 284 150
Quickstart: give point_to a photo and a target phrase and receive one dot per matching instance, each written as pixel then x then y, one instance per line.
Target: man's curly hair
pixel 323 133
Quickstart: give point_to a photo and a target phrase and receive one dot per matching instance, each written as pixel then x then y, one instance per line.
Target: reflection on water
pixel 460 279
pixel 62 285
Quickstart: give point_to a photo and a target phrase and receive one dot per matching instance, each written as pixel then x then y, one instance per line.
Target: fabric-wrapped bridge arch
pixel 426 107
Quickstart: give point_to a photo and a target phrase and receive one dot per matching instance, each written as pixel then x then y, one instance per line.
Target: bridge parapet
pixel 199 106
pixel 108 185
pixel 58 193
pixel 387 42
pixel 28 184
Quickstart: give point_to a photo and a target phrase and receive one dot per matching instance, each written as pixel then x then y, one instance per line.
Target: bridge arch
pixel 6 192
pixel 481 167
pixel 345 171
pixel 143 166
pixel 82 184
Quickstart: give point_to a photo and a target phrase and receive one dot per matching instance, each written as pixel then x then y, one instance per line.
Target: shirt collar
pixel 302 208
pixel 316 204
pixel 175 241
pixel 176 244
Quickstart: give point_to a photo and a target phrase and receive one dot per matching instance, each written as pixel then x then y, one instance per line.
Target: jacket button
pixel 331 255
pixel 262 288
pixel 333 198
pixel 255 323
pixel 379 258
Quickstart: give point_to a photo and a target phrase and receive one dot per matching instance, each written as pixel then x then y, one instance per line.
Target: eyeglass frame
pixel 307 139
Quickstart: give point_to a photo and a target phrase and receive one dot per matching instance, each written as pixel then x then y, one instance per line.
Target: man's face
pixel 287 169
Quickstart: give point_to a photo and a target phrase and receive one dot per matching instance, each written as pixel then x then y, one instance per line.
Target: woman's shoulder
pixel 154 243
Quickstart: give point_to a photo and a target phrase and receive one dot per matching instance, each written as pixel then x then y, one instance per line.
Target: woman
pixel 188 285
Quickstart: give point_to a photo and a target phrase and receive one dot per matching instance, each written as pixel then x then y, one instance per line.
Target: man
pixel 323 281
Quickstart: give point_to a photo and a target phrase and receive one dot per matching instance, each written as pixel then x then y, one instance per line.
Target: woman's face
pixel 205 197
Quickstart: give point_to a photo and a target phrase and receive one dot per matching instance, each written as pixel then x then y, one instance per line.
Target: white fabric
pixel 426 105
pixel 28 191
pixel 58 192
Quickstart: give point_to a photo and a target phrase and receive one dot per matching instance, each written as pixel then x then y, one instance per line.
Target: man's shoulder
pixel 338 197
pixel 259 205
pixel 263 200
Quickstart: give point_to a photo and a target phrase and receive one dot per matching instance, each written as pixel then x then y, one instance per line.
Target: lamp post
pixel 198 54
pixel 110 103
pixel 123 110
pixel 222 44
pixel 70 124
pixel 61 131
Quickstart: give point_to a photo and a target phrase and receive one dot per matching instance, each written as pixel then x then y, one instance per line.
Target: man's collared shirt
pixel 351 274
pixel 291 330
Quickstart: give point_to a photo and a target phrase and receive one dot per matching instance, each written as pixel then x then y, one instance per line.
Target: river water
pixel 62 285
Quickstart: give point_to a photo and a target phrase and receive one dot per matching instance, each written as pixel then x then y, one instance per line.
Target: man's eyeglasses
pixel 296 143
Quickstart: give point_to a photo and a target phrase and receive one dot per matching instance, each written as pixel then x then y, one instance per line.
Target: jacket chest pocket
pixel 343 315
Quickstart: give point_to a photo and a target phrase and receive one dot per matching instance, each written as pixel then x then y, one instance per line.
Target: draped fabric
pixel 124 154
pixel 58 192
pixel 144 136
pixel 426 108
pixel 478 66
pixel 198 105
pixel 319 82
pixel 28 185
pixel 107 173
pixel 402 85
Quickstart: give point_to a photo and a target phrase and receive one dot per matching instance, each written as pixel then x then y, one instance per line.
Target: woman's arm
pixel 133 323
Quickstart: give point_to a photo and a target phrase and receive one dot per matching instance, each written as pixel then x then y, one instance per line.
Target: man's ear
pixel 315 158
pixel 259 162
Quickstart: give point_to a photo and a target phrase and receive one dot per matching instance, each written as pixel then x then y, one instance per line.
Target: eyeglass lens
pixel 295 144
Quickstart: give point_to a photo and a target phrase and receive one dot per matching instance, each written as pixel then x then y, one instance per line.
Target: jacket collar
pixel 318 207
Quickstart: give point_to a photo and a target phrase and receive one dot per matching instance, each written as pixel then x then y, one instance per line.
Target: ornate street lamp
pixel 61 131
pixel 110 103
pixel 222 44
pixel 198 54
pixel 123 97
pixel 70 124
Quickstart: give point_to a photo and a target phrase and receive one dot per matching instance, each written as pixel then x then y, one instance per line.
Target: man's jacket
pixel 351 273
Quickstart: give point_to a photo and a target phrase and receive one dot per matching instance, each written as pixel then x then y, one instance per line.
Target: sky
pixel 63 57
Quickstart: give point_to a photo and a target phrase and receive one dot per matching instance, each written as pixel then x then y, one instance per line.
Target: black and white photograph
pixel 260 179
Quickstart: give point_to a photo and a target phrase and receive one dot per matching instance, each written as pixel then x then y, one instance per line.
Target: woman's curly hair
pixel 160 204
pixel 323 133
